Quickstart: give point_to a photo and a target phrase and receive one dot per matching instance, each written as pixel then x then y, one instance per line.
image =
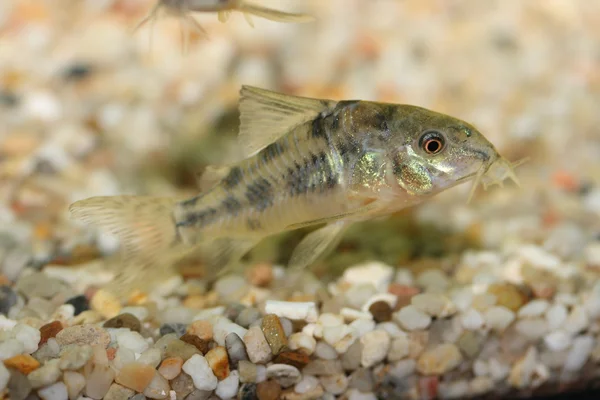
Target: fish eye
pixel 432 142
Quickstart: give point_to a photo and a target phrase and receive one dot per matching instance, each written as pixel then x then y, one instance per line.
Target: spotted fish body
pixel 305 162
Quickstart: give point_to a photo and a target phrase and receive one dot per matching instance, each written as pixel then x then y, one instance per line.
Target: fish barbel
pixel 305 162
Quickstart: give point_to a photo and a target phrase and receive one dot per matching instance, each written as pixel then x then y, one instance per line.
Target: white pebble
pixel 335 384
pixel 362 326
pixel 454 390
pixel 6 324
pixel 556 316
pixel 306 311
pixel 56 391
pixel 404 276
pixel 325 351
pixel 389 298
pixel 577 320
pixel 376 273
pixel 223 327
pixel 533 328
pixel 410 318
pixel 434 304
pixel 151 356
pixel 132 341
pixel 333 334
pixel 392 328
pixel 399 349
pixel 355 394
pixel 28 336
pixel 10 348
pixel 350 314
pixel 307 384
pixel 228 387
pixel 498 371
pixel 480 367
pixel 498 317
pixel 329 319
pixel 534 308
pixel 580 352
pixel 462 299
pixel 303 342
pixel 209 313
pixel 197 367
pixel 471 320
pixel 404 368
pixel 4 377
pixel 558 340
pixel 433 279
pixel 375 347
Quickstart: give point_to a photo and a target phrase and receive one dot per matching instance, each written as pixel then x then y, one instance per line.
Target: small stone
pixel 433 280
pixel 28 336
pixel 362 379
pixel 80 304
pixel 398 349
pixel 99 381
pixel 248 392
pixel 105 303
pixel 47 351
pixel 4 377
pixel 8 298
pixel 135 376
pixel 228 387
pixel 45 375
pixel 257 346
pixel 577 320
pixel 274 333
pixel 83 334
pixel 260 275
pixel 178 348
pixel 151 356
pixel 323 367
pixel 219 362
pixel 294 358
pixel 41 285
pixel 410 318
pixel 470 343
pixel 307 384
pixel 558 340
pixel 138 396
pixel 439 359
pixel 247 317
pixel 202 375
pixel 381 311
pixel 508 295
pixel 23 363
pixel 73 357
pixel 118 392
pixel 10 348
pixel 335 384
pixel 325 351
pixel 200 344
pixel 75 383
pixel 183 385
pixel 534 308
pixel 178 329
pixel 86 317
pixel 580 352
pixel 480 386
pixel 126 320
pixel 433 304
pixel 49 331
pixel 352 357
pixel 556 316
pixel 223 327
pixel 499 318
pixel 202 328
pixel 235 349
pixel 198 394
pixel 377 274
pixel 302 342
pixel 471 320
pixel 305 311
pixel 57 391
pixel 533 328
pixel 285 375
pixel 231 287
pixel 140 312
pixel 247 371
pixel 170 368
pixel 18 385
pixel 522 371
pixel 158 388
pixel 268 390
pixel 375 347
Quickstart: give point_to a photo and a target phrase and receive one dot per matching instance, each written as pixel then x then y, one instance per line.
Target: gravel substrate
pixel 499 298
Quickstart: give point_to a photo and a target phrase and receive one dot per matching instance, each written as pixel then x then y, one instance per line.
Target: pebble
pixel 354 394
pixel 178 348
pixel 158 388
pixel 410 318
pixel 362 379
pixel 41 285
pixel 577 320
pixel 231 287
pixel 580 352
pixel 80 304
pixel 499 318
pixel 558 340
pixel 399 349
pixel 118 392
pixel 325 351
pixel 228 387
pixel 268 390
pixel 350 314
pixel 218 361
pixel 170 367
pixel 302 342
pixel 202 328
pixel 57 391
pixel 257 346
pixel 247 372
pixel 151 356
pixel 335 384
pixel 522 371
pixel 183 385
pixel 105 303
pixel 18 385
pixel 471 319
pixel 49 331
pixel 135 376
pixel 434 304
pixel 352 357
pixel 294 358
pixel 381 311
pixel 4 377
pixel 534 308
pixel 75 383
pixel 132 341
pixel 223 327
pixel 285 375
pixel 99 381
pixel 28 336
pixel 375 347
pixel 24 363
pixel 177 329
pixel 202 375
pixel 82 335
pixel 274 333
pixel 556 316
pixel 305 311
pixel 439 359
pixel 377 274
pixel 10 348
pixel 8 298
pixel 125 320
pixel 235 349
pixel 306 384
pixel 73 357
pixel 200 344
pixel 508 295
pixel 533 329
pixel 247 317
pixel 45 375
pixel 323 367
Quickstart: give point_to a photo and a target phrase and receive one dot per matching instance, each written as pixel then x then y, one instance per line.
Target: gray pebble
pixel 233 311
pixel 235 349
pixel 362 379
pixel 8 298
pixel 323 367
pixel 247 317
pixel 247 391
pixel 39 284
pixel 45 375
pixel 199 395
pixel 177 329
pixel 138 396
pixel 18 385
pixel 351 358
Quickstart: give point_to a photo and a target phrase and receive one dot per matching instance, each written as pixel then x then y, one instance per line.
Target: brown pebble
pixel 136 376
pixel 260 275
pixel 404 294
pixel 183 385
pixel 508 295
pixel 219 362
pixel 268 390
pixel 171 367
pixel 49 331
pixel 294 358
pixel 195 341
pixel 381 311
pixel 24 363
pixel 125 320
pixel 203 329
pixel 274 333
pixel 111 352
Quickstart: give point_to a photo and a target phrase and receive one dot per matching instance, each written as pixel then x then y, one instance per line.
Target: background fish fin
pixel 265 116
pixel 316 245
pixel 274 15
pixel 211 176
pixel 221 254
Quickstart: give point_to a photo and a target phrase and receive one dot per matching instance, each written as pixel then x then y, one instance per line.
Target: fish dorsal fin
pixel 265 116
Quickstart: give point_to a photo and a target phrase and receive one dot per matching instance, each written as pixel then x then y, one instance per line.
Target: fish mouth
pixel 495 172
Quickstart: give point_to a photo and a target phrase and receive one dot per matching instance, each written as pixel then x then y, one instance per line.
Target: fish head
pixel 439 151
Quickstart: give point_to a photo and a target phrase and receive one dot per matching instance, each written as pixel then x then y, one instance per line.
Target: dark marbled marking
pixel 233 178
pixel 231 205
pixel 260 194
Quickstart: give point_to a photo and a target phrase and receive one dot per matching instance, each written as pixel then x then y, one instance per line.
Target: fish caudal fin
pixel 274 15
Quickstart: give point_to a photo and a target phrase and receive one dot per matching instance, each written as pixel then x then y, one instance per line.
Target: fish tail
pixel 273 15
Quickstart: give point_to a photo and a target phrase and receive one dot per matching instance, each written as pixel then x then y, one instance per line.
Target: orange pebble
pixel 24 363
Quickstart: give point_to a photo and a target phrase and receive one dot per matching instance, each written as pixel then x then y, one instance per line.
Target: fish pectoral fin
pixel 248 19
pixel 274 15
pixel 265 116
pixel 317 244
